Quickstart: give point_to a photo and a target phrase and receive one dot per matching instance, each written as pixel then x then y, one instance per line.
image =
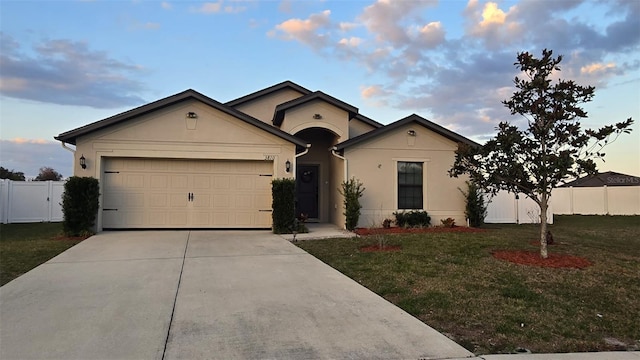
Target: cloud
pixel 351 42
pixel 68 73
pixel 307 31
pixel 461 79
pixel 385 19
pixel 29 155
pixel 491 24
pixel 218 7
pixel 166 5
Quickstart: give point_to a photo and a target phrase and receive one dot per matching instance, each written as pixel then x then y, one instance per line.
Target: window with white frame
pixel 410 185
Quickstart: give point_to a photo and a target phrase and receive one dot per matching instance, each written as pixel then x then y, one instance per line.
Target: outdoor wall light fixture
pixel 287 166
pixel 411 132
pixel 192 115
pixel 83 162
pixel 317 116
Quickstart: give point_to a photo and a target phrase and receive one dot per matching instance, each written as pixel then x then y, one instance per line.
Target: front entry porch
pixel 318 177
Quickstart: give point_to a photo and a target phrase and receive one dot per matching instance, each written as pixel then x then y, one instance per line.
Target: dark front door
pixel 307 191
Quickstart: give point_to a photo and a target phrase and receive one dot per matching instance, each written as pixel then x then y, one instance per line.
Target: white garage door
pixel 167 193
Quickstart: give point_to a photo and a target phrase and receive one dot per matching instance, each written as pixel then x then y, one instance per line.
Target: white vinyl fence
pixel 606 200
pixel 30 201
pixel 506 208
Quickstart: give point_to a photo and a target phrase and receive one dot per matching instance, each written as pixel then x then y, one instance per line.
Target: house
pixel 189 161
pixel 608 178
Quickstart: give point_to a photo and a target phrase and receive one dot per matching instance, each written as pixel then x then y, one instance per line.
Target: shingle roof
pixel 608 178
pixel 409 119
pixel 271 89
pixel 71 135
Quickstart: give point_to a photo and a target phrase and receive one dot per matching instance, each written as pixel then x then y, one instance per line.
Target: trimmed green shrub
pixel 413 218
pixel 283 192
pixel 352 190
pixel 476 209
pixel 80 205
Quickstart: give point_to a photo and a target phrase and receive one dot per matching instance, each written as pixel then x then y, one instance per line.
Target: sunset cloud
pixel 597 68
pixel 307 30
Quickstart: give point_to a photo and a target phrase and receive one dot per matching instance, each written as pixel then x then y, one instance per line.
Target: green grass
pixel 451 282
pixel 25 246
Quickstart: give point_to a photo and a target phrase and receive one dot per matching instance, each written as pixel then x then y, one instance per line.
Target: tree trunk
pixel 543 227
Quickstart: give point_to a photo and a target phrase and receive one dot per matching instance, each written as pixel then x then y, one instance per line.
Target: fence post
pixel 571 200
pixel 606 199
pixel 4 201
pixel 49 195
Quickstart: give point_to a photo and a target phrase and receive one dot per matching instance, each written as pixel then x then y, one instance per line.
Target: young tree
pixel 552 148
pixel 48 173
pixel 11 175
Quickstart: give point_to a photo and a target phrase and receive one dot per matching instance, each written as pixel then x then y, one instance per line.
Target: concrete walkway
pixel 203 294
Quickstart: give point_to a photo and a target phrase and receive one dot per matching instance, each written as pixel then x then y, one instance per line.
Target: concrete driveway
pixel 202 294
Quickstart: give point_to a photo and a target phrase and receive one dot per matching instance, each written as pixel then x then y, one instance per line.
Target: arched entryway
pixel 318 176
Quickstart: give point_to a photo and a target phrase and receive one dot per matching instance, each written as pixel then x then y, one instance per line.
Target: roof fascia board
pixel 267 91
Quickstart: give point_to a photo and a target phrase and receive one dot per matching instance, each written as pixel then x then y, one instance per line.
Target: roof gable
pixel 267 91
pixel 367 120
pixel 608 178
pixel 71 135
pixel 278 116
pixel 409 119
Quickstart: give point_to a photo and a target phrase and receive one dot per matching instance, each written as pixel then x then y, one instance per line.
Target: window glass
pixel 410 185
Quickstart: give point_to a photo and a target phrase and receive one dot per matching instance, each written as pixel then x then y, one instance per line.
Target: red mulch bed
pixel 377 248
pixel 401 230
pixel 534 259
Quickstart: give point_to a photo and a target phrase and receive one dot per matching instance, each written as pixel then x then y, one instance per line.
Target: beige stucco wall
pixel 374 163
pixel 165 134
pixel 302 117
pixel 357 127
pixel 264 107
pixel 336 208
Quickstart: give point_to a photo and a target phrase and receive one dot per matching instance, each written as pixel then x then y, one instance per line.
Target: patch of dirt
pixel 534 259
pixel 377 248
pixel 401 230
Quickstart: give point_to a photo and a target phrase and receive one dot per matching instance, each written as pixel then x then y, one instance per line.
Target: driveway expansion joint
pixel 175 299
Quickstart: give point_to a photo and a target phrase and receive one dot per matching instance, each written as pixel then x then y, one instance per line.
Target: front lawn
pixel 452 282
pixel 25 246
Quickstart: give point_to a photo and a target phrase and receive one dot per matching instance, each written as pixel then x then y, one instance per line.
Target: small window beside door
pixel 410 189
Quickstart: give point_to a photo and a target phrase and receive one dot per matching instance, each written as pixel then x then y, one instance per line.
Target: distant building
pixel 608 178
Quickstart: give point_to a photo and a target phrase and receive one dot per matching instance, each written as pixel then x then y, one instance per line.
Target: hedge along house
pixel 189 161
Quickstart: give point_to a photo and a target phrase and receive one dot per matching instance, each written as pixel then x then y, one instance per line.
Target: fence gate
pixel 30 201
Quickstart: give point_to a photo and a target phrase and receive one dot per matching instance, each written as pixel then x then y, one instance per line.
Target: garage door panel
pixel 202 182
pixel 179 181
pixel 158 200
pixel 159 181
pixel 221 182
pixel 154 193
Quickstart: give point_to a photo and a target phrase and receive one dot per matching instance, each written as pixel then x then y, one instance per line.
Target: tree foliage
pixel 47 173
pixel 80 205
pixel 283 193
pixel 352 191
pixel 11 174
pixel 476 208
pixel 553 147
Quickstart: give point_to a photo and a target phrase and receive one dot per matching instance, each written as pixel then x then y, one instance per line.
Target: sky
pixel 65 64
